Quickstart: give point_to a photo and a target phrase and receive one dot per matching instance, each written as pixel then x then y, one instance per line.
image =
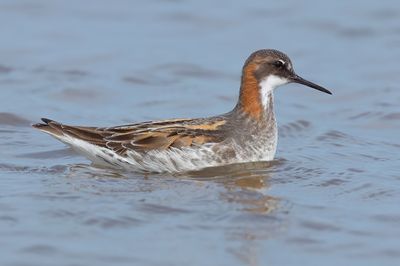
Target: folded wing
pixel 142 137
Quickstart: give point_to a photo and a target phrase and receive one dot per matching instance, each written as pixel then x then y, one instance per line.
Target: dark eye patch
pixel 278 64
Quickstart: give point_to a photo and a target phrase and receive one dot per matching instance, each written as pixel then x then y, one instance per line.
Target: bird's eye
pixel 278 64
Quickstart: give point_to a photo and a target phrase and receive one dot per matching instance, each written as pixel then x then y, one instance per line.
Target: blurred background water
pixel 331 197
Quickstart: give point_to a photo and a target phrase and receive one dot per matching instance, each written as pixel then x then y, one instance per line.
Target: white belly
pixel 174 159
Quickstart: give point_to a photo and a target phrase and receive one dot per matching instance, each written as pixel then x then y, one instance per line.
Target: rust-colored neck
pixel 250 98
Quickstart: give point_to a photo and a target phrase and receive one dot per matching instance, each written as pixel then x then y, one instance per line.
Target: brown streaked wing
pixel 89 134
pixel 145 136
pixel 165 134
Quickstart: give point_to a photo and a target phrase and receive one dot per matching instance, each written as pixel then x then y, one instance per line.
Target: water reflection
pixel 248 216
pixel 246 188
pixel 245 184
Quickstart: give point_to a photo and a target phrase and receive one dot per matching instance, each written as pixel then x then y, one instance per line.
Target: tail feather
pixel 46 120
pixel 49 126
pixel 85 140
pixel 58 130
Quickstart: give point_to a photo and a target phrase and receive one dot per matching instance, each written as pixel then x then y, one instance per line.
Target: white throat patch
pixel 267 87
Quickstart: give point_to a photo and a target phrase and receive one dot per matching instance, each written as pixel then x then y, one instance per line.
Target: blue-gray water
pixel 332 197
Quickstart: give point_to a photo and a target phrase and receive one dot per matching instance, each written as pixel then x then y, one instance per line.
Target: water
pixel 331 197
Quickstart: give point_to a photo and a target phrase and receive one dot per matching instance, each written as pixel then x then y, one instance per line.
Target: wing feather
pixel 146 136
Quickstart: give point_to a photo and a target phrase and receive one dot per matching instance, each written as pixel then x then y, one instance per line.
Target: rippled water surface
pixel 332 196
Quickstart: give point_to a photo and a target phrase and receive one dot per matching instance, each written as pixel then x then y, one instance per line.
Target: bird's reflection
pixel 246 184
pixel 252 214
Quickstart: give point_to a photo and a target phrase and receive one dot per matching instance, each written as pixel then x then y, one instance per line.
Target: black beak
pixel 300 80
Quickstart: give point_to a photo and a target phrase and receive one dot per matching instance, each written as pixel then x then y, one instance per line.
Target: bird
pixel 247 133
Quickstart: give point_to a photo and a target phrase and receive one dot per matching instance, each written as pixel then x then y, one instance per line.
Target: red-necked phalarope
pixel 245 134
